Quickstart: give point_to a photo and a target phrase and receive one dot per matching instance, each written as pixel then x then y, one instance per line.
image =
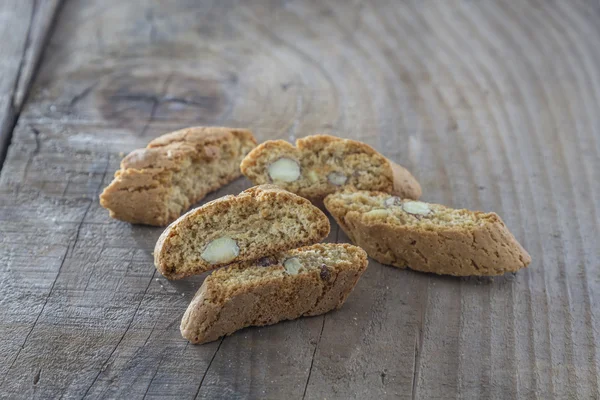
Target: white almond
pixel 337 178
pixel 292 265
pixel 220 251
pixel 380 212
pixel 416 207
pixel 284 170
pixel 393 201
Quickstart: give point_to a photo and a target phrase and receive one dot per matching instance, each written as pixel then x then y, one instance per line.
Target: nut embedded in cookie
pixel 284 170
pixel 337 178
pixel 416 207
pixel 256 224
pixel 250 294
pixel 292 265
pixel 321 164
pixel 220 251
pixel 427 237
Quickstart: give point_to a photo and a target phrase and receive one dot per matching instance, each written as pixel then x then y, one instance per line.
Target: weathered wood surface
pixel 492 104
pixel 24 26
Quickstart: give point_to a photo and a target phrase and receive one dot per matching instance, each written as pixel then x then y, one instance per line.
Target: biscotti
pixel 323 164
pixel 302 282
pixel 156 184
pixel 427 237
pixel 260 221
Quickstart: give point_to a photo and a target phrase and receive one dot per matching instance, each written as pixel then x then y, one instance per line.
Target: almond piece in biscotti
pixel 427 237
pixel 257 223
pixel 302 282
pixel 321 164
pixel 284 170
pixel 156 184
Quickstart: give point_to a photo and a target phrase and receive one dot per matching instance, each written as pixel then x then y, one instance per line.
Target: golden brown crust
pixel 481 246
pixel 249 294
pixel 262 220
pixel 318 156
pixel 405 185
pixel 156 184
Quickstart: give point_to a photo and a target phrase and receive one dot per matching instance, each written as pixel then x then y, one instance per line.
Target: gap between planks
pixel 41 24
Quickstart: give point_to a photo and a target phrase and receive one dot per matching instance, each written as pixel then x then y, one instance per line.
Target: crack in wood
pixel 64 258
pixel 36 377
pixel 416 365
pixel 16 105
pixel 26 70
pixel 105 364
pixel 35 46
pixel 87 283
pixel 312 361
pixel 419 339
pixel 208 368
pixel 150 334
pixel 36 136
pixel 156 103
pixel 38 316
pixel 81 95
pixel 162 357
pixel 6 126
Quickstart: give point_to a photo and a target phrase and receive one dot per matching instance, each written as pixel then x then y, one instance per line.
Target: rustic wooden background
pixel 494 105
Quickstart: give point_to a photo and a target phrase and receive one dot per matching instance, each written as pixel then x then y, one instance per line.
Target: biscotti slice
pixel 259 222
pixel 156 184
pixel 302 282
pixel 323 164
pixel 427 237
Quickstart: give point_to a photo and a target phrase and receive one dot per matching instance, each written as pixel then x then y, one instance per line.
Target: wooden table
pixel 494 105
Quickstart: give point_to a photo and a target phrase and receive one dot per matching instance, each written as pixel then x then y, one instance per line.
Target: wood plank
pixel 24 28
pixel 492 104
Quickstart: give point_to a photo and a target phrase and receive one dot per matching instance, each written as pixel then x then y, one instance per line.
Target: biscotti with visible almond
pixel 260 221
pixel 321 164
pixel 156 184
pixel 302 282
pixel 427 237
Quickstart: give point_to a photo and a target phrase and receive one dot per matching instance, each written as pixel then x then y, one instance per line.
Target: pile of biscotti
pixel 264 243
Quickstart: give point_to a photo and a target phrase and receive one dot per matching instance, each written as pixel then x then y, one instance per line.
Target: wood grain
pixel 24 27
pixel 492 104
